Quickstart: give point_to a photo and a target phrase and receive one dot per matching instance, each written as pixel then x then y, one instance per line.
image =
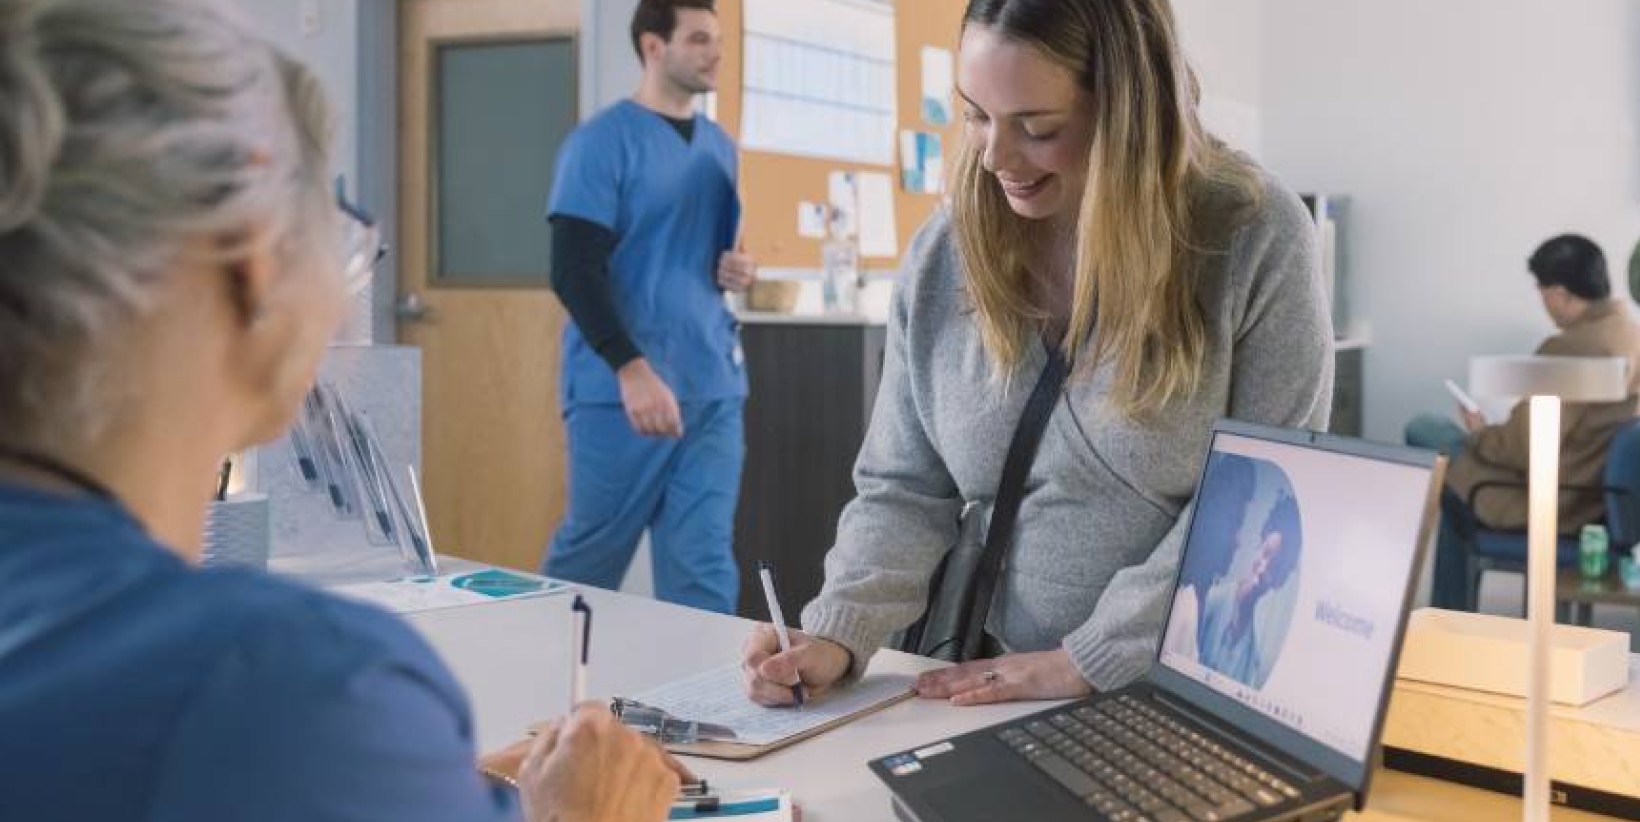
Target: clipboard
pixel 741 752
pixel 881 692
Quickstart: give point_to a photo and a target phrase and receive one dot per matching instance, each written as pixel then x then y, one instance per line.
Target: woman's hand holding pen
pixel 588 767
pixel 1010 677
pixel 768 675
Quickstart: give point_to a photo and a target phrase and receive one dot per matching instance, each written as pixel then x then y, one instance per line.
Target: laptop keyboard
pixel 1133 762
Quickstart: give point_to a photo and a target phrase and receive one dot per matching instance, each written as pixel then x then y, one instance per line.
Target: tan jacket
pixel 1499 452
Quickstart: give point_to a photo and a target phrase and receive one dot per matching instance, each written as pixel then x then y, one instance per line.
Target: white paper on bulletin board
pixel 819 79
pixel 878 235
pixel 811 220
pixel 938 82
pixel 843 195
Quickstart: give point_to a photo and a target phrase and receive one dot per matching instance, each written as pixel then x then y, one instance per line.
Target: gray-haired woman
pixel 171 267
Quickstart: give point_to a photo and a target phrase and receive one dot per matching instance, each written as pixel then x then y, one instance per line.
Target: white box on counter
pixel 1487 653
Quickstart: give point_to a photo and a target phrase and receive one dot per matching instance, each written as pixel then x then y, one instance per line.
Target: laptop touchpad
pixel 975 799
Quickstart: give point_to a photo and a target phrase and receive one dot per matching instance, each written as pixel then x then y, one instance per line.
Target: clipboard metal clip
pixel 666 728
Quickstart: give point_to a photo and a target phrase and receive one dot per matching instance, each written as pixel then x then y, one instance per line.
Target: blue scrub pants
pixel 683 491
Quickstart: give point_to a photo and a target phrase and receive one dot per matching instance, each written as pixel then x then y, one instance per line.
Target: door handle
pixel 411 308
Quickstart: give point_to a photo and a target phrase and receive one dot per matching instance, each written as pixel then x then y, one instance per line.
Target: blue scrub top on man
pixel 673 207
pixel 671 203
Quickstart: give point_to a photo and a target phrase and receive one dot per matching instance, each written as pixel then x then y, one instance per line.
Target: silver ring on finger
pixel 991 677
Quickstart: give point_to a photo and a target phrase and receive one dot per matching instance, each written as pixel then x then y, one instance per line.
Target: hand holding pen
pixel 766 572
pixel 566 771
pixel 767 673
pixel 779 666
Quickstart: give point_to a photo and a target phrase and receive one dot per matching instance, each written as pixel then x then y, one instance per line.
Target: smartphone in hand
pixel 1463 398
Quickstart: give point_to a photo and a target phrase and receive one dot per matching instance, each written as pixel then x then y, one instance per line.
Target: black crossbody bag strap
pixel 1010 492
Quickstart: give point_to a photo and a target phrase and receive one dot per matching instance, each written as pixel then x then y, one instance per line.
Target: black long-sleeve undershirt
pixel 580 277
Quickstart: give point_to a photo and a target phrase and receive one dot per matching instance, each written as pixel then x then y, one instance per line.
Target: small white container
pixel 237 533
pixel 1488 653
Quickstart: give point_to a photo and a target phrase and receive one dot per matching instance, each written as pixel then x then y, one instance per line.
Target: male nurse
pixel 644 215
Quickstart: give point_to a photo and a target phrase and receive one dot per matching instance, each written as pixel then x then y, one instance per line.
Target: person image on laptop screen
pixel 1217 519
pixel 1238 585
pixel 1248 611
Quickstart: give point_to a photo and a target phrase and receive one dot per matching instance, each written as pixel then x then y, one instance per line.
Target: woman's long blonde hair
pixel 1151 168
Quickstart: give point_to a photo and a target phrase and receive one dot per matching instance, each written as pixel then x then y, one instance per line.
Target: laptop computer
pixel 1267 696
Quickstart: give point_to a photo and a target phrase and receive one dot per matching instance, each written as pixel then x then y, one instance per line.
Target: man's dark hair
pixel 1574 263
pixel 660 17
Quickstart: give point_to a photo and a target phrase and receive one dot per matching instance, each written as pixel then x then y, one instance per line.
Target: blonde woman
pixel 1090 210
pixel 172 264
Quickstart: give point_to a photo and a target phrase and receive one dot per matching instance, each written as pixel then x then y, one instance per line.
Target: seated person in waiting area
pixel 1576 292
pixel 172 264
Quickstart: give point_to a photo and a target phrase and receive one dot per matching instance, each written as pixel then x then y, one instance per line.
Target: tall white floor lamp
pixel 1548 381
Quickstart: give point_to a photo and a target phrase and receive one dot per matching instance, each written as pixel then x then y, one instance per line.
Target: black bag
pixel 952 627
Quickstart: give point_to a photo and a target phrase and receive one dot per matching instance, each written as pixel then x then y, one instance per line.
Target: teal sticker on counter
pixel 494 582
pixel 702 810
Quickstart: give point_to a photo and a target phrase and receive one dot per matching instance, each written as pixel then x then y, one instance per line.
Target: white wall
pixel 324 35
pixel 1465 132
pixel 609 67
pixel 331 51
pixel 1222 39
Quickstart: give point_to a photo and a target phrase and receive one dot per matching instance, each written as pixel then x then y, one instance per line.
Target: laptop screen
pixel 1292 581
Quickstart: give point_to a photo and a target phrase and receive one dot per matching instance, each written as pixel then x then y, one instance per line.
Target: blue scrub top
pixel 673 209
pixel 133 687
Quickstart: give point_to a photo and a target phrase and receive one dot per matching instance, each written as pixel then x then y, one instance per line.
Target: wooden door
pixel 492 438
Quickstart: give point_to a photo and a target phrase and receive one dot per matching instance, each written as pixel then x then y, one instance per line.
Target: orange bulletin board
pixel 772 185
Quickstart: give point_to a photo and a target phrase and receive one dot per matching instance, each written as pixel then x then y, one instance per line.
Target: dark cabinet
pixel 813 387
pixel 1346 401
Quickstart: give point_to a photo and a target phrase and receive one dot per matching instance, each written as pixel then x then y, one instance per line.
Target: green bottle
pixel 1593 551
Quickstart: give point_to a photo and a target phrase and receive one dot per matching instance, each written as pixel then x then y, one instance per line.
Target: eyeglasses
pixel 362 244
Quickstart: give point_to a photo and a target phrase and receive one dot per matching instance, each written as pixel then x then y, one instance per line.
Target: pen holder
pixel 236 533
